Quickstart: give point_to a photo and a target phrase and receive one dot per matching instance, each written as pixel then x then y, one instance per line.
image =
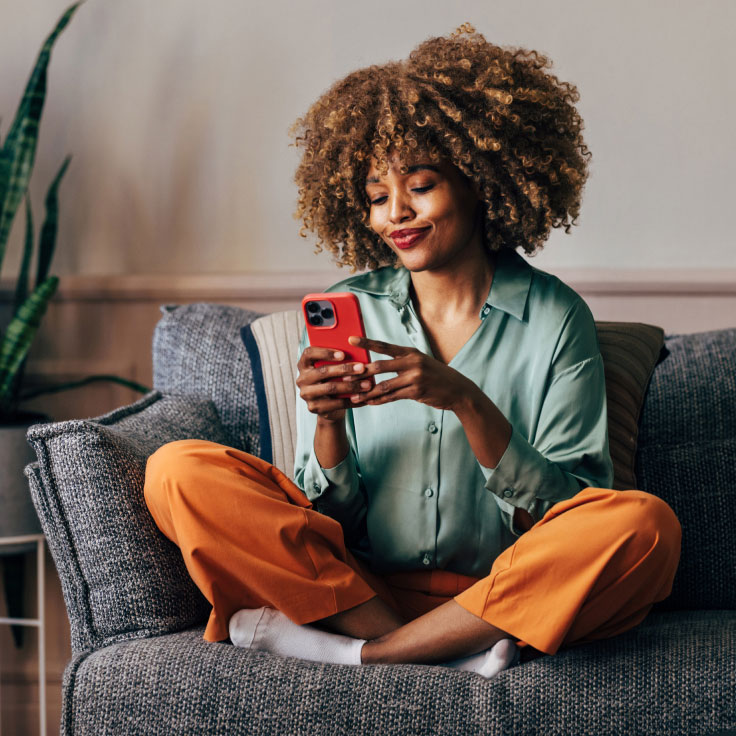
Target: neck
pixel 457 290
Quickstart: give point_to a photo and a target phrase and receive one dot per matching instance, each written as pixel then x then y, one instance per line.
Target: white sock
pixel 272 631
pixel 489 663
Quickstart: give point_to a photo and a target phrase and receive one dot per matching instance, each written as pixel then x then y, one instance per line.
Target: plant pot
pixel 18 515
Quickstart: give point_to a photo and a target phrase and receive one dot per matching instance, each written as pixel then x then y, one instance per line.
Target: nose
pixel 399 207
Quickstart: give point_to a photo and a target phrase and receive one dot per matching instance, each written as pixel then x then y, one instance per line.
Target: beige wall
pixel 176 112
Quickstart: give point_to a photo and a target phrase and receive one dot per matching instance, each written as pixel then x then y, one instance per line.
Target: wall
pixel 176 113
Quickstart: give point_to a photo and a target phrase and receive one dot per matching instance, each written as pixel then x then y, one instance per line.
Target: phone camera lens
pixel 327 313
pixel 312 307
pixel 315 319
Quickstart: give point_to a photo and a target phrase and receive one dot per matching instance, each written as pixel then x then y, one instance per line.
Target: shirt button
pixel 508 492
pixel 432 427
pixel 426 560
pixel 315 486
pixel 428 492
pixel 486 310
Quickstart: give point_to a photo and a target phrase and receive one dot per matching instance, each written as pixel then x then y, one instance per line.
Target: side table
pixel 39 622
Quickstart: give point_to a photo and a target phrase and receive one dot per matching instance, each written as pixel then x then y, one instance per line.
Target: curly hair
pixel 493 112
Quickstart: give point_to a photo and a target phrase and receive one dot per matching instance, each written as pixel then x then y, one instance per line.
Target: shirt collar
pixel 509 288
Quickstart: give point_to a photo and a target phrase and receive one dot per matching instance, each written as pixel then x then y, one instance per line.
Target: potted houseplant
pixel 17 155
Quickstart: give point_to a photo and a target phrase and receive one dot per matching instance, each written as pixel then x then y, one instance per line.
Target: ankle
pixel 374 651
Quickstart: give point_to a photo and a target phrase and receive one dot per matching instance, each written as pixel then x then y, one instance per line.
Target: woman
pixel 462 506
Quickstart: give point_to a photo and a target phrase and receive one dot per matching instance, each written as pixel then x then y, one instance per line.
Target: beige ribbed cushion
pixel 277 336
pixel 630 351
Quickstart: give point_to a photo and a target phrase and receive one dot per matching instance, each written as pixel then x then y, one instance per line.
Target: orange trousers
pixel 591 568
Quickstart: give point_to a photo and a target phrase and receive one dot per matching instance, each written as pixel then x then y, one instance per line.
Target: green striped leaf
pixel 19 150
pixel 19 335
pixel 47 240
pixel 21 287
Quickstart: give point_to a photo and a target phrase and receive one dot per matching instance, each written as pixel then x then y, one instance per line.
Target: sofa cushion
pixel 687 456
pixel 667 676
pixel 120 576
pixel 630 351
pixel 197 351
pixel 273 345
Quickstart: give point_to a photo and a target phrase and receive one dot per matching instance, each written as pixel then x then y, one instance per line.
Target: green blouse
pixel 410 494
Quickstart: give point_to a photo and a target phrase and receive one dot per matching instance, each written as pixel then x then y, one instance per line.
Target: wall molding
pixel 293 284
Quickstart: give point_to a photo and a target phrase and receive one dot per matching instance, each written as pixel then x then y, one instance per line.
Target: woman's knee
pixel 176 461
pixel 654 520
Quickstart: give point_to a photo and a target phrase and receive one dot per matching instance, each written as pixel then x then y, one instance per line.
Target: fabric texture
pixel 197 351
pixel 630 351
pixel 121 579
pixel 670 675
pixel 687 456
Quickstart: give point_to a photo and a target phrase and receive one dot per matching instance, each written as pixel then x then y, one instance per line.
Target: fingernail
pixel 365 384
pixel 358 367
pixel 337 355
pixel 355 397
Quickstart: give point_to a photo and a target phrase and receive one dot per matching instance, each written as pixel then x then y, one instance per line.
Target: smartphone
pixel 332 318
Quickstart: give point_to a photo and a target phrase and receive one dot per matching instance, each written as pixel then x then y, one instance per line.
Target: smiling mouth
pixel 407 241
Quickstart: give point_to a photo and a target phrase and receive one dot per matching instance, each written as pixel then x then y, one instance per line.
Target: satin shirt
pixel 410 494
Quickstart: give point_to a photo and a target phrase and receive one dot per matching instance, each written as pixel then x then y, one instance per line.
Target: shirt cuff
pixel 524 475
pixel 342 479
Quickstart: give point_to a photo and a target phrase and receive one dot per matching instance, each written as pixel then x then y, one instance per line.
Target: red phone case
pixel 348 321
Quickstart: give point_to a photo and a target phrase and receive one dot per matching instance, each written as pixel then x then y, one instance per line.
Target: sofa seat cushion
pixel 671 674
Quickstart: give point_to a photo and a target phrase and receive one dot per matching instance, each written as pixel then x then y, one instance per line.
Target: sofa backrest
pixel 686 452
pixel 687 455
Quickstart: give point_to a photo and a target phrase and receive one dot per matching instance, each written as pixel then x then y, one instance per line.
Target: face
pixel 436 201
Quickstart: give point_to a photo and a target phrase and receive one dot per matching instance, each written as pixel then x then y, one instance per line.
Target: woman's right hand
pixel 320 386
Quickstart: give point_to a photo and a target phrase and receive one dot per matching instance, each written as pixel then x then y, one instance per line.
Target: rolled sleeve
pixel 570 451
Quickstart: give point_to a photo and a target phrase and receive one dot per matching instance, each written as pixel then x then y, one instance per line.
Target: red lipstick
pixel 407 238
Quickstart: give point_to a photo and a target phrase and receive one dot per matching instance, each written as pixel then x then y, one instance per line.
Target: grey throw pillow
pixel 197 351
pixel 120 576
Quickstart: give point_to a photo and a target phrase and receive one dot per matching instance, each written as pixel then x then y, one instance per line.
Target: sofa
pixel 139 663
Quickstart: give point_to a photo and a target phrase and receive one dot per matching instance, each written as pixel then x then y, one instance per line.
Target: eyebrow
pixel 412 169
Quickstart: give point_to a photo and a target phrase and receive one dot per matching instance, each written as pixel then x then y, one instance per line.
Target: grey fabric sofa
pixel 140 665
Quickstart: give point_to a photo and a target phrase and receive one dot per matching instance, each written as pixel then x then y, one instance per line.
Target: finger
pixel 393 365
pixel 402 393
pixel 378 346
pixel 332 371
pixel 332 388
pixel 385 387
pixel 325 406
pixel 312 354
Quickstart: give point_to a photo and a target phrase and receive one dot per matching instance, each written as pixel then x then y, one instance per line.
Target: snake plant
pixel 17 155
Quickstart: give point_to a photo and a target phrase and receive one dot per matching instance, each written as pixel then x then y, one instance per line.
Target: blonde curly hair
pixel 493 112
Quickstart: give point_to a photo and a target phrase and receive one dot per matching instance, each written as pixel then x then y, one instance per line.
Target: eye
pixel 421 190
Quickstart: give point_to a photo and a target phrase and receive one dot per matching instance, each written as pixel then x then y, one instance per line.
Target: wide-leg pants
pixel 591 568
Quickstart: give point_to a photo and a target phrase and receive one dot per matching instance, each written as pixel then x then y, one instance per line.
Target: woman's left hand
pixel 420 377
